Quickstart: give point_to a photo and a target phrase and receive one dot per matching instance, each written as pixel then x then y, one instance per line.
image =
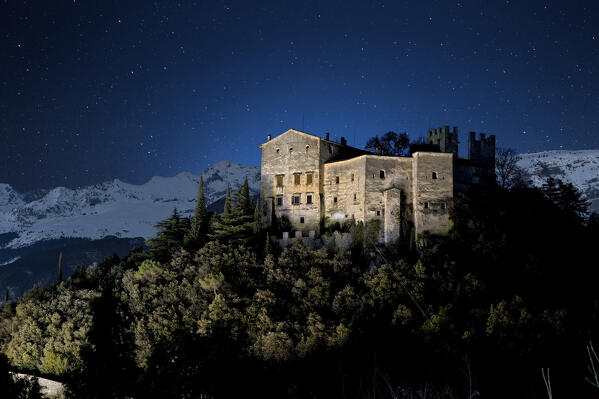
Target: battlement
pixel 446 139
pixel 481 150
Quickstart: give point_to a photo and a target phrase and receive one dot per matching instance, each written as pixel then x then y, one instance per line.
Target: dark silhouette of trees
pixel 390 143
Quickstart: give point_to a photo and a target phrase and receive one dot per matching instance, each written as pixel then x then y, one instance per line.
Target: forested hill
pixel 213 310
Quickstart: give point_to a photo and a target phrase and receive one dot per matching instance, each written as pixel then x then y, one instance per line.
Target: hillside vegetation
pixel 213 310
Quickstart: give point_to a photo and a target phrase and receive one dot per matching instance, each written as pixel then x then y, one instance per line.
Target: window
pixel 434 175
pixel 336 179
pixel 352 177
pixel 308 198
pixel 378 213
pixel 382 174
pixel 296 179
pixel 443 205
pixel 426 205
pixel 278 150
pixel 295 199
pixel 279 200
pixel 290 150
pixel 309 177
pixel 355 197
pixel 280 180
pixel 301 219
pixel 334 200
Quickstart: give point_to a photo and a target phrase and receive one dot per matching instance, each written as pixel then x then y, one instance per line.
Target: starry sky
pixel 96 90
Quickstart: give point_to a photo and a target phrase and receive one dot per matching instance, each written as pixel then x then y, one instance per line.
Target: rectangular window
pixel 352 177
pixel 309 177
pixel 443 205
pixel 334 200
pixel 301 219
pixel 382 174
pixel 279 200
pixel 378 213
pixel 295 199
pixel 355 197
pixel 426 205
pixel 297 179
pixel 308 198
pixel 280 180
pixel 434 175
pixel 336 179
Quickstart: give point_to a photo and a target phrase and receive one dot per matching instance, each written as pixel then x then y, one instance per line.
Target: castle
pixel 311 180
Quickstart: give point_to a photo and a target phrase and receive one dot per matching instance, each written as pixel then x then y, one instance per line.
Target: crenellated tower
pixel 446 139
pixel 481 151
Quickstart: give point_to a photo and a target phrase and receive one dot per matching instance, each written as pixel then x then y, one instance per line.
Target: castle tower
pixel 481 151
pixel 446 139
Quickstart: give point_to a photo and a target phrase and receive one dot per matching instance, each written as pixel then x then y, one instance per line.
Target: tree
pixel 59 279
pixel 171 234
pixel 227 210
pixel 236 224
pixel 506 168
pixel 390 143
pixel 199 223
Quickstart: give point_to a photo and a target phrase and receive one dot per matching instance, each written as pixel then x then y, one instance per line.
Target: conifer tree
pixel 59 279
pixel 268 245
pixel 199 222
pixel 227 210
pixel 171 234
pixel 236 222
pixel 257 220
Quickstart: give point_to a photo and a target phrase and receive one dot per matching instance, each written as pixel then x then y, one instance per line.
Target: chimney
pixel 326 136
pixel 343 141
pixel 269 137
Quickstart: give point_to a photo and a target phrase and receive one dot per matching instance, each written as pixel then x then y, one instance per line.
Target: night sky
pixel 96 90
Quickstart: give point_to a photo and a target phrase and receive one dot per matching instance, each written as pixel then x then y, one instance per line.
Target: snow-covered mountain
pixel 114 208
pixel 581 168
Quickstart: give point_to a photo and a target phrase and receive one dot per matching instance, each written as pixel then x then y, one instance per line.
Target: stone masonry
pixel 313 181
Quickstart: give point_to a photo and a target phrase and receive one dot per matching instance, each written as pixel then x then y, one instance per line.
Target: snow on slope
pixel 115 208
pixel 581 168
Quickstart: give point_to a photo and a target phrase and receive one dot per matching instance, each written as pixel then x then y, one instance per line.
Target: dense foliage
pixel 215 309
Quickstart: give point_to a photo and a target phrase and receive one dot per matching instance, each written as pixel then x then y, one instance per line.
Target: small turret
pixel 446 139
pixel 481 151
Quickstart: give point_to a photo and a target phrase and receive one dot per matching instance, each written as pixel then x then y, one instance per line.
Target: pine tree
pixel 257 220
pixel 59 279
pixel 199 222
pixel 235 225
pixel 171 234
pixel 227 210
pixel 268 245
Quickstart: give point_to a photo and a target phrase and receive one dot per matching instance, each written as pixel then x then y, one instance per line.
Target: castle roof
pixel 295 131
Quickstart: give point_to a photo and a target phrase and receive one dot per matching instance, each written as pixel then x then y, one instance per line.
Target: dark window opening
pixel 335 200
pixel 295 199
pixel 382 174
pixel 301 219
pixel 336 179
pixel 355 197
pixel 378 213
pixel 277 150
pixel 309 199
pixel 434 175
pixel 426 205
pixel 443 205
pixel 352 177
pixel 290 150
pixel 280 200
